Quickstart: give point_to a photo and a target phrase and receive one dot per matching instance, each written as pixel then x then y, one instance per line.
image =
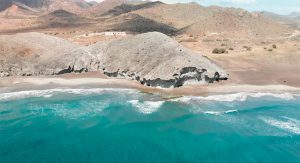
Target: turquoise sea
pixel 121 125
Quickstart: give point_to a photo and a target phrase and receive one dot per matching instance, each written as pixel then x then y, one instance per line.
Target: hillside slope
pixel 62 18
pixel 38 54
pixel 75 6
pixel 195 19
pixel 138 24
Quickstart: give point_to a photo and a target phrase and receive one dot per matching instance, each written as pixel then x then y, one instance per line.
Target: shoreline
pixel 15 84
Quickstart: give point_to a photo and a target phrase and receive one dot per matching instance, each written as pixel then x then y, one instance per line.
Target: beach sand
pixel 94 80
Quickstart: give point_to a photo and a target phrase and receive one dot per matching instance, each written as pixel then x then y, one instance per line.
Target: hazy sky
pixel 278 6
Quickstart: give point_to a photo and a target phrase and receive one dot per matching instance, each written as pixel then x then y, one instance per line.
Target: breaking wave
pixel 51 92
pixel 220 113
pixel 289 125
pixel 236 97
pixel 146 107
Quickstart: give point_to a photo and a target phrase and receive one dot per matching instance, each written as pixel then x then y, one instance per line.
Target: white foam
pixel 236 97
pixel 50 92
pixel 64 110
pixel 220 113
pixel 146 107
pixel 230 111
pixel 213 113
pixel 291 125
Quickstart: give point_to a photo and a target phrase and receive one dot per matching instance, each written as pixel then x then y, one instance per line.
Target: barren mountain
pixel 154 59
pixel 127 7
pixel 75 6
pixel 108 5
pixel 138 24
pixel 18 10
pixel 194 19
pixel 290 20
pixel 62 18
pixel 4 4
pixel 294 15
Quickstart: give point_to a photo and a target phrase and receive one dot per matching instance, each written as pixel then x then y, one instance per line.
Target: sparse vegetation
pixel 223 45
pixel 274 46
pixel 248 48
pixel 219 51
pixel 231 49
pixel 270 50
pixel 188 40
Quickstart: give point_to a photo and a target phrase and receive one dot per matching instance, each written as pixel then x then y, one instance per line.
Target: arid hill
pixel 289 20
pixel 34 54
pixel 62 18
pixel 138 24
pixel 75 6
pixel 17 10
pixel 195 19
pixel 153 59
pixel 103 7
pixel 38 4
pixel 129 7
pixel 171 19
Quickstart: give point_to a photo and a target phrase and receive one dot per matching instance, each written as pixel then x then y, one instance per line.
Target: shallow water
pixel 113 125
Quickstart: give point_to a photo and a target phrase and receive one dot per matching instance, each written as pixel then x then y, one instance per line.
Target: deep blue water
pixel 107 125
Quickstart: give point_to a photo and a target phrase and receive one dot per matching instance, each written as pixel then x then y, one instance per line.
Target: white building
pixel 115 33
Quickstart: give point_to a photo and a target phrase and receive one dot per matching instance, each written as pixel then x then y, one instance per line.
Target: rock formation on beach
pixel 153 59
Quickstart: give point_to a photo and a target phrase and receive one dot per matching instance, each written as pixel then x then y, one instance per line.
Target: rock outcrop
pixel 153 59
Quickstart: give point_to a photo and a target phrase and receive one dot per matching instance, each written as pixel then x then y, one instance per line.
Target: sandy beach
pixel 96 80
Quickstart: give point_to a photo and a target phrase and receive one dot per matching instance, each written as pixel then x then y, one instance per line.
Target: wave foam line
pixel 146 107
pixel 291 125
pixel 236 97
pixel 50 92
pixel 220 113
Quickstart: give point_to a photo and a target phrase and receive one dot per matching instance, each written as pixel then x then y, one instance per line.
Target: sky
pixel 278 6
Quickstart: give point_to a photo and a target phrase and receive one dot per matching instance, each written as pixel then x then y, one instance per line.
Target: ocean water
pixel 121 125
